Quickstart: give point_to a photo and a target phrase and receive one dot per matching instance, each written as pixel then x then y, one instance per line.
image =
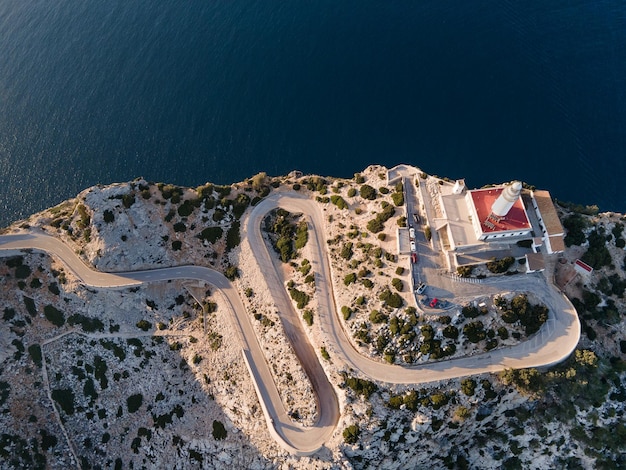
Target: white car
pixel 412 233
pixel 421 288
pixel 412 246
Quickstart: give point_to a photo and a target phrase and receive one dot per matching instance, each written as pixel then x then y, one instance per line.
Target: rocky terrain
pixel 153 377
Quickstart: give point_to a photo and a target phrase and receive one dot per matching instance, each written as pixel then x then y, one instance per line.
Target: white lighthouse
pixel 506 200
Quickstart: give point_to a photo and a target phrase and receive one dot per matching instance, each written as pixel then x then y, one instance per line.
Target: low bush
pixel 347 312
pixel 210 234
pixel 308 317
pixel 398 199
pixel 367 192
pixel 390 299
pixel 134 402
pixel 301 298
pixel 498 266
pixel 361 387
pixel 53 315
pixel 351 434
pixel 338 201
pixel 219 431
pixel 65 398
pixel 144 325
pixel 378 317
pixel 231 273
pixel 397 284
pixel 108 216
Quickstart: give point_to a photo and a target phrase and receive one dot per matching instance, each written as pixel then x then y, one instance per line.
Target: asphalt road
pixel 556 340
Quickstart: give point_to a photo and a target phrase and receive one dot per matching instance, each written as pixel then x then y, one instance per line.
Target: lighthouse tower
pixel 506 200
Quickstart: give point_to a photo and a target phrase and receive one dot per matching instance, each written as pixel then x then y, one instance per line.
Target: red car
pixel 414 257
pixel 434 302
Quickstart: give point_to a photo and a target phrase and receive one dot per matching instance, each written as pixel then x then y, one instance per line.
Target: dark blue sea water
pixel 218 90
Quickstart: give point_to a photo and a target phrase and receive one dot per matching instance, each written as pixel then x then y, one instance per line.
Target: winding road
pixel 555 342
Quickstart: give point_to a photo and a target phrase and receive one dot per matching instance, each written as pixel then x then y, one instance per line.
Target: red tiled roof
pixel 584 265
pixel 516 218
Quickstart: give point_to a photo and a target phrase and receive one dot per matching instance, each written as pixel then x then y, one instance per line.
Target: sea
pixel 95 92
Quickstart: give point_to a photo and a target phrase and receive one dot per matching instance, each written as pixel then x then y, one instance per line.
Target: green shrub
pixel 451 332
pixel 346 251
pixel 308 317
pixel 475 331
pixel 65 398
pixel 302 235
pixel 210 234
pixel 399 270
pixel 468 386
pixel 438 400
pixel 325 354
pixel 177 245
pixel 218 215
pixel 338 201
pixel 597 254
pixel 500 266
pixel 34 350
pixel 392 300
pixel 398 199
pixel 144 325
pixel 186 208
pixel 574 225
pixel 361 387
pixel 349 279
pixel 351 192
pixel 240 205
pixel 465 271
pixel 88 324
pixel 301 298
pixel 375 225
pixel 128 200
pixel 108 216
pixel 231 273
pixel 526 381
pixel 180 227
pixel 134 402
pixel 22 271
pixel 346 311
pixel 367 192
pixel 5 390
pixel 233 236
pixel 397 284
pixel 215 340
pixel 378 317
pixel 30 306
pixel 358 178
pixel 54 316
pixel 219 431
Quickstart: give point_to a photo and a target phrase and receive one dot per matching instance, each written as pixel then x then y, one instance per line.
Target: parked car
pixel 414 257
pixel 416 218
pixel 413 246
pixel 421 288
pixel 434 302
pixel 412 233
